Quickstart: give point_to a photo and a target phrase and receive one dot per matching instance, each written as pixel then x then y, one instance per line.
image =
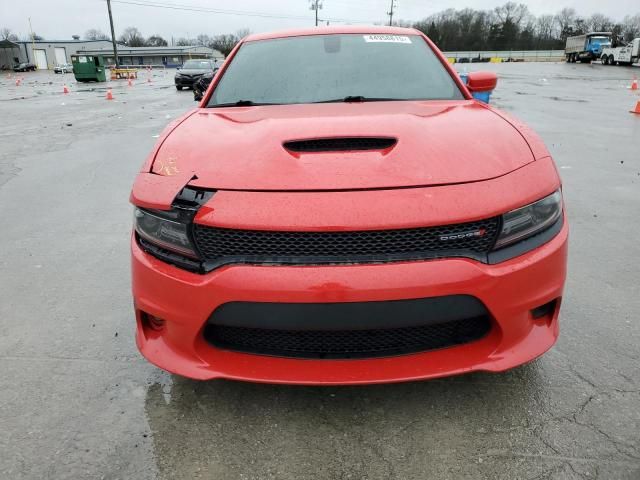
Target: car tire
pixel 178 87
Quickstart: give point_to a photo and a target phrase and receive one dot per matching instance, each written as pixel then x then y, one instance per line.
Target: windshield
pixel 197 64
pixel 600 40
pixel 325 68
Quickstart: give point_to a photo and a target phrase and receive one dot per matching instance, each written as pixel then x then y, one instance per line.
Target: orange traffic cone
pixel 109 95
pixel 65 90
pixel 637 109
pixel 634 84
pixel 17 82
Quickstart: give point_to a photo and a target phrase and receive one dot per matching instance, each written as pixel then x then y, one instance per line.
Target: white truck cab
pixel 627 55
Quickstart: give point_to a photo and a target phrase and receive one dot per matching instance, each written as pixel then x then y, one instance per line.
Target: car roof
pixel 339 29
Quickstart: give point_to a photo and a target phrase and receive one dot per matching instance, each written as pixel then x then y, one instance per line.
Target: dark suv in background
pixel 192 71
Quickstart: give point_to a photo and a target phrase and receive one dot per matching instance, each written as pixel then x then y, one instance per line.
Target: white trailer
pixel 627 55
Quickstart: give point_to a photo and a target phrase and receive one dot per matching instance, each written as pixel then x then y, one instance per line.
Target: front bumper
pixel 186 81
pixel 509 291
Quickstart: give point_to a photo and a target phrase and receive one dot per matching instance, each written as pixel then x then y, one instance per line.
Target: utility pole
pixel 316 5
pixel 33 44
pixel 113 35
pixel 390 12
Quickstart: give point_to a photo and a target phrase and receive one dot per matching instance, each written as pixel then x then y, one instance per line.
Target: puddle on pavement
pixel 226 429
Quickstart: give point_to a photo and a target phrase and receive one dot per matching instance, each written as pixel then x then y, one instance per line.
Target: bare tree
pixel 185 42
pixel 512 26
pixel 132 37
pixel 156 41
pixel 512 12
pixel 599 23
pixel 240 34
pixel 224 43
pixel 7 34
pixel 631 27
pixel 566 19
pixel 95 34
pixel 546 27
pixel 203 40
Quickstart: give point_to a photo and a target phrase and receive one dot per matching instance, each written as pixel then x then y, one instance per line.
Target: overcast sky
pixel 59 19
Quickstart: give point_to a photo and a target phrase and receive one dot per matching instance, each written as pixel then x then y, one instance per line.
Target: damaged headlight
pixel 524 222
pixel 164 229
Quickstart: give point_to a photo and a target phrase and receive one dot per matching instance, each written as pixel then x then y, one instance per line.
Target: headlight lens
pixel 163 228
pixel 525 222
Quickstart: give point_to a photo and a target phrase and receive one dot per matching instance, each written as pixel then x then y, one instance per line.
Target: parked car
pixel 24 67
pixel 320 220
pixel 63 68
pixel 192 71
pixel 200 86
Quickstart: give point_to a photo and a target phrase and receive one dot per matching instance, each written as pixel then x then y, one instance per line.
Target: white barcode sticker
pixel 386 38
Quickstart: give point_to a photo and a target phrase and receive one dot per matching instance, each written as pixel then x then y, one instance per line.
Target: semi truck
pixel 587 47
pixel 626 55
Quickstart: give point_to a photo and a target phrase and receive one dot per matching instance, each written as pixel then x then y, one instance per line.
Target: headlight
pixel 164 229
pixel 529 220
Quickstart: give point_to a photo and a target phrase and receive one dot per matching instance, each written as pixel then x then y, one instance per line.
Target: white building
pixel 46 54
pixel 157 56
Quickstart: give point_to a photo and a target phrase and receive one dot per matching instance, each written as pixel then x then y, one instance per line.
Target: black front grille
pixel 347 343
pixel 340 144
pixel 473 239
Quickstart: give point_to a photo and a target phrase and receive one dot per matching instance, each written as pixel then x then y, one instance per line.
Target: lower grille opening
pixel 335 344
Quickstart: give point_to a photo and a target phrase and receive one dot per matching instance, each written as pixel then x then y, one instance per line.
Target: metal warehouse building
pixel 46 54
pixel 158 56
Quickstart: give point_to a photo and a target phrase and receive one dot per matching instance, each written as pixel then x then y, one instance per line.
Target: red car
pixel 340 210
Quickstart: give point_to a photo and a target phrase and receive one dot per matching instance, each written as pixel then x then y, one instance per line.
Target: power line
pixel 194 8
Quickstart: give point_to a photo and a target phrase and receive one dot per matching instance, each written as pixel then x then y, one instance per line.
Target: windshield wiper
pixel 242 103
pixel 359 99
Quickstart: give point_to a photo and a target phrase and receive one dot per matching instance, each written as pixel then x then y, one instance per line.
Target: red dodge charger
pixel 339 209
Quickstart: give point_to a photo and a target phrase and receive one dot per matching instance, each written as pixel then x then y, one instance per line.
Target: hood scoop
pixel 340 144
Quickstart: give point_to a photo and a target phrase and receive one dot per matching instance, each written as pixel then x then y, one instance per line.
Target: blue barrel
pixel 482 96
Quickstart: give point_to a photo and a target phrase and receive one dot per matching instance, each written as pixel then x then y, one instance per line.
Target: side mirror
pixel 481 84
pixel 481 81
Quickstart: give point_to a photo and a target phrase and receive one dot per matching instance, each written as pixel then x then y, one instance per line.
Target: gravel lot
pixel 77 401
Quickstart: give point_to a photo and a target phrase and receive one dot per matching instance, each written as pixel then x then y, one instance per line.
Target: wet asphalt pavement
pixel 77 400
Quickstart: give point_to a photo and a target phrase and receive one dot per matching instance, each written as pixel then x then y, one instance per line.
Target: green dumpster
pixel 87 68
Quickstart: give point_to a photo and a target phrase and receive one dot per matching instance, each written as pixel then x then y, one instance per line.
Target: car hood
pixel 192 71
pixel 438 143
